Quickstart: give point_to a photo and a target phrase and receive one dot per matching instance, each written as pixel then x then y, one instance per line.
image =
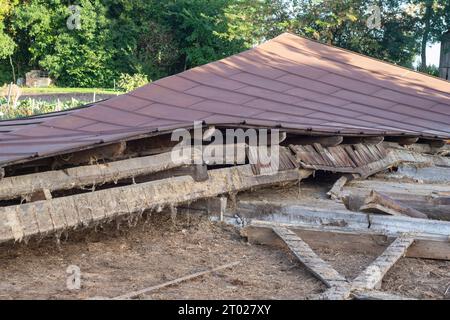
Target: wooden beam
pixel 380 202
pixel 403 140
pixel 344 230
pixel 431 174
pixel 91 156
pixel 325 141
pixel 363 140
pixel 432 199
pixel 13 187
pixel 434 143
pixel 372 276
pixel 377 295
pixel 321 269
pixel 58 214
pixel 418 147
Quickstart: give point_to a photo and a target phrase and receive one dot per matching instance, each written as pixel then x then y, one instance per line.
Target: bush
pixel 129 82
pixel 431 70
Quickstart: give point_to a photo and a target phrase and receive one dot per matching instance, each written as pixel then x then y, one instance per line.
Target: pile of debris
pixel 378 130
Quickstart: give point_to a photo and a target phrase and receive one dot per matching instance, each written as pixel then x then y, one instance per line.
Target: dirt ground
pixel 114 262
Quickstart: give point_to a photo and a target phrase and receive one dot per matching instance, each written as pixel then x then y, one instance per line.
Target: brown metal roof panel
pixel 114 116
pixel 359 61
pixel 222 108
pixel 125 102
pixel 364 99
pixel 254 80
pixel 289 82
pixel 163 111
pixel 423 114
pixel 442 108
pixel 176 83
pixel 219 94
pixel 201 76
pixel 246 62
pixel 404 98
pixel 156 93
pixel 309 84
pixel 269 95
pixel 346 83
pixel 266 105
pixel 69 122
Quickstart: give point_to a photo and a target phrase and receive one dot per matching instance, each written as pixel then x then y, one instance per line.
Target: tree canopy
pixel 90 43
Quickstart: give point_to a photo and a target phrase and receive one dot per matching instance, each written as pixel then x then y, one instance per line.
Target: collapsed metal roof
pixel 288 82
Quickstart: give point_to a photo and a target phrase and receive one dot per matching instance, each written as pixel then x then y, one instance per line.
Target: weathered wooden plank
pixel 335 191
pixel 17 186
pixel 114 202
pixel 321 269
pixel 354 231
pixel 432 199
pixel 377 295
pixel 430 174
pixel 364 160
pixel 372 276
pixel 380 202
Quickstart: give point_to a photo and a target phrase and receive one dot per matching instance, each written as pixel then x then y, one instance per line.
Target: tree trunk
pixel 12 67
pixel 426 33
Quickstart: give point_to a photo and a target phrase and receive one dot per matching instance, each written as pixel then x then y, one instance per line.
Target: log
pixel 50 216
pixel 13 187
pixel 380 202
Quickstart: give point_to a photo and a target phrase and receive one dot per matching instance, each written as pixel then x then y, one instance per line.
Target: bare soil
pixel 116 261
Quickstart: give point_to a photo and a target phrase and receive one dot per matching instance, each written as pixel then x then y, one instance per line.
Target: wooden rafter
pixel 339 287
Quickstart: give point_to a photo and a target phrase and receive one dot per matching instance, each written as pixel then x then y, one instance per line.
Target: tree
pixel 79 57
pixel 7 44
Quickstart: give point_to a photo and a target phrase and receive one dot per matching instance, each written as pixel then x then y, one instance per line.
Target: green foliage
pixel 431 70
pixel 159 38
pixel 130 82
pixel 73 57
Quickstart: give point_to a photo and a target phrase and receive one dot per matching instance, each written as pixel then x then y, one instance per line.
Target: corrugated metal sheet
pixel 289 81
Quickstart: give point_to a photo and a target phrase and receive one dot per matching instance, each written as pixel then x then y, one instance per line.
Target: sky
pixel 433 55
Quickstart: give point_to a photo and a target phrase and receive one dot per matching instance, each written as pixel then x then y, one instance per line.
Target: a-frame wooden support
pixel 339 288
